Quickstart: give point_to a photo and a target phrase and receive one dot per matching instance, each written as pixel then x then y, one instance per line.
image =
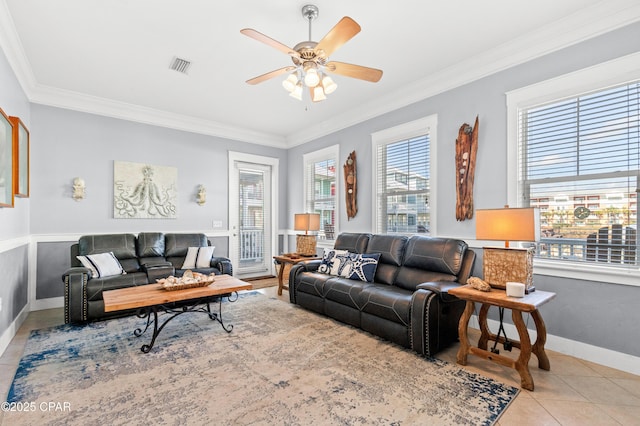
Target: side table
pixel 290 259
pixel 496 297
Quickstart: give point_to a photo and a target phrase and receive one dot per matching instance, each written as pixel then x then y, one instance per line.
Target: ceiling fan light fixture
pixel 317 94
pixel 311 59
pixel 290 83
pixel 296 93
pixel 311 78
pixel 329 85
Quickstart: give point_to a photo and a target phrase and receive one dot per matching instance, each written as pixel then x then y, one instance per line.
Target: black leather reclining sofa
pixel 145 258
pixel 407 302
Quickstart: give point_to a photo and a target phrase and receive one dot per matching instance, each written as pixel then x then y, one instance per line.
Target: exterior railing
pixel 563 248
pixel 574 249
pixel 251 244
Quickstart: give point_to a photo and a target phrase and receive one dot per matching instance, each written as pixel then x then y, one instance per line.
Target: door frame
pixel 272 162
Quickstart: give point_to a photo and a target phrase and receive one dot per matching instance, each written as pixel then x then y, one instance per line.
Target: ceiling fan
pixel 311 64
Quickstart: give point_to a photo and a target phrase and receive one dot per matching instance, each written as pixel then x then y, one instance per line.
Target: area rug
pixel 280 365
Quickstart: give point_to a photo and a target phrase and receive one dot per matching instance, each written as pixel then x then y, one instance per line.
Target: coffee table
pixel 153 298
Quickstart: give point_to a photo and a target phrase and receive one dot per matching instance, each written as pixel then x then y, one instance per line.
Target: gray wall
pixel 71 144
pixel 14 222
pixel 14 288
pixel 600 314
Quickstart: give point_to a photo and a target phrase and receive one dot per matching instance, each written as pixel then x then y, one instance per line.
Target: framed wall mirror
pixel 21 155
pixel 6 161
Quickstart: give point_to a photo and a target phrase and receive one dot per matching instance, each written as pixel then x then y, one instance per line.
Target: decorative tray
pixel 190 279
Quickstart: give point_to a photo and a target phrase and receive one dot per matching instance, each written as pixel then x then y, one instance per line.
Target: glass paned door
pixel 251 229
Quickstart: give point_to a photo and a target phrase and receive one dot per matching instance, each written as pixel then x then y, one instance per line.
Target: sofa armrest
pixel 441 288
pixel 294 274
pixel 223 264
pixel 309 265
pixel 75 294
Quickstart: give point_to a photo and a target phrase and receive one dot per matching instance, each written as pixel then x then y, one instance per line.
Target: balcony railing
pixel 251 244
pixel 576 249
pixel 562 248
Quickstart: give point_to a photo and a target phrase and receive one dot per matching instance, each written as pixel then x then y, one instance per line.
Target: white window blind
pixel 320 189
pixel 579 162
pixel 402 185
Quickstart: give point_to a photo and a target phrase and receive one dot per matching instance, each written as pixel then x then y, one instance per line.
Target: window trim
pixel 601 76
pixel 427 125
pixel 330 152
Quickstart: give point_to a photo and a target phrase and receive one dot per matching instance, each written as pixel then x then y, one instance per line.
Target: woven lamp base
pixel 306 245
pixel 501 265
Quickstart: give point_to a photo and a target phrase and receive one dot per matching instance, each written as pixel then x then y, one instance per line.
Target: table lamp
pixel 306 244
pixel 504 264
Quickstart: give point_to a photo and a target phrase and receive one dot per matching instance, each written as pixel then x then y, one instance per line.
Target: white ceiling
pixel 112 57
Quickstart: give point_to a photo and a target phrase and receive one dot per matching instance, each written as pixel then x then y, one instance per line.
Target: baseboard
pixel 51 303
pixel 13 328
pixel 596 354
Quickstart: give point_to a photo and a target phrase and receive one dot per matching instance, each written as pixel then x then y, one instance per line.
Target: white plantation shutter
pixel 320 187
pixel 579 162
pixel 402 170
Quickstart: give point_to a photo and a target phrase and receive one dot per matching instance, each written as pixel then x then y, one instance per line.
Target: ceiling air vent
pixel 180 65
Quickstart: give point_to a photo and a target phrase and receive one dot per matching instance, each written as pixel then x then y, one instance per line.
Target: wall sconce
pixel 306 244
pixel 502 265
pixel 201 198
pixel 78 189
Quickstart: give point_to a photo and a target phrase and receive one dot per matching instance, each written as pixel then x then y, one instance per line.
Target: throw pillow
pixel 360 266
pixel 102 264
pixel 328 265
pixel 204 257
pixel 198 257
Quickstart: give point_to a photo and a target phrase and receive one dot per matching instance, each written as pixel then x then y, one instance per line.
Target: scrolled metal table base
pixel 173 310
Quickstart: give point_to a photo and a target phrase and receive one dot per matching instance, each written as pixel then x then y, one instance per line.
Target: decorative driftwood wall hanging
pixel 350 185
pixel 466 149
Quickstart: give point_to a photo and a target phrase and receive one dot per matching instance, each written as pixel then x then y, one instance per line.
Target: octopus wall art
pixel 144 192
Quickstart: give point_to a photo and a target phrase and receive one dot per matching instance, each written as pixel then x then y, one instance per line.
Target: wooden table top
pixel 497 297
pixel 153 294
pixel 289 259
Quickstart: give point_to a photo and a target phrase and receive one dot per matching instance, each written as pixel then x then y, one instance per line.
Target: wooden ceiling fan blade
pixel 354 71
pixel 269 75
pixel 249 32
pixel 341 33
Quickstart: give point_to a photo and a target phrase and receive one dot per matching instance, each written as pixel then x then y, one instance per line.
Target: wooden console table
pixel 285 259
pixel 496 297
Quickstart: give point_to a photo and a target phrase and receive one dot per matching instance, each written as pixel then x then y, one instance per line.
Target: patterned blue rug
pixel 280 365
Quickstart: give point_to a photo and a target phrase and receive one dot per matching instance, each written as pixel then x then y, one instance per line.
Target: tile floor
pixel 574 392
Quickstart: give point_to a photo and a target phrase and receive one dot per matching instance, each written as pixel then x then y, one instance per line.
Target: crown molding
pixel 61 98
pixel 590 22
pixel 13 50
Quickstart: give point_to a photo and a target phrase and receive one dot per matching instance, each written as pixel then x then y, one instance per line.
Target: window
pixel 403 177
pixel 320 188
pixel 587 146
pixel 577 153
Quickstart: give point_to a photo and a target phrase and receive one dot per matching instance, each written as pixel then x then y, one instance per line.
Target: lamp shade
pixel 311 78
pixel 307 222
pixel 507 224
